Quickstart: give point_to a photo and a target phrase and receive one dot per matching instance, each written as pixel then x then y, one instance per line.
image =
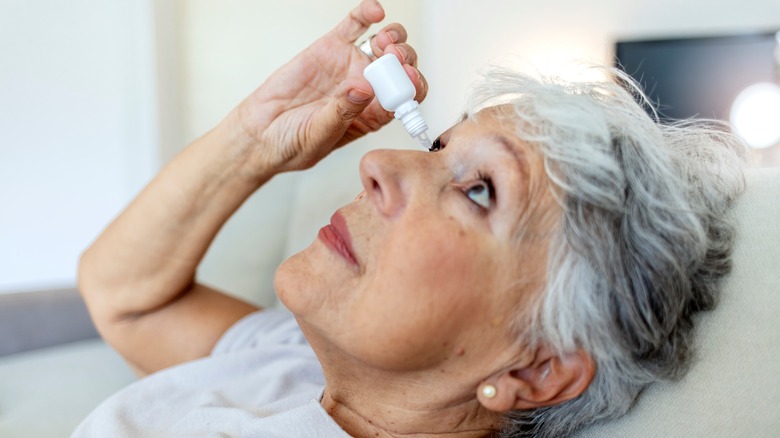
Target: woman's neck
pixel 369 401
pixel 377 410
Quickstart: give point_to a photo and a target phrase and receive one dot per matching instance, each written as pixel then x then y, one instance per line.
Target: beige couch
pixel 733 390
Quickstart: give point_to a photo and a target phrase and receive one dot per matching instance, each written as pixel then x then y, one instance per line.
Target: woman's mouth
pixel 336 237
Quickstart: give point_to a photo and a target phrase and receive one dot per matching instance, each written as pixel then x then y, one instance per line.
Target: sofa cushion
pixel 48 392
pixel 30 320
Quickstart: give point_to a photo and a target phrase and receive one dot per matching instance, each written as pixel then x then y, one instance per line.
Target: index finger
pixel 359 19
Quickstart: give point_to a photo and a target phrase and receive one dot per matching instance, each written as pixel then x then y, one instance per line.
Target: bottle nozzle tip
pixel 425 141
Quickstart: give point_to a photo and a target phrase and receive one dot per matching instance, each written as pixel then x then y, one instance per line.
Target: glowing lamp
pixel 755 115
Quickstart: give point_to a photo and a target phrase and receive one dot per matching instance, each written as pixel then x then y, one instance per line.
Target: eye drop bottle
pixel 395 92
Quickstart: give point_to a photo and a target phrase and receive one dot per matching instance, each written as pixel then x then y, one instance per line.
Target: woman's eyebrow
pixel 512 149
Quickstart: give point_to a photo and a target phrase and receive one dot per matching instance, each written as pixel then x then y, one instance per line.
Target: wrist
pixel 244 146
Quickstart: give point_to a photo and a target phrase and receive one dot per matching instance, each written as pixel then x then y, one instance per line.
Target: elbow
pixel 95 288
pixel 97 293
pixel 86 277
pixel 100 293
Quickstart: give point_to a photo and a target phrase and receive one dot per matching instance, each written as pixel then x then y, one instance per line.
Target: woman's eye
pixel 436 145
pixel 481 193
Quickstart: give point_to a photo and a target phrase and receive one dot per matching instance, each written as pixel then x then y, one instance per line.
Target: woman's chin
pixel 298 283
pixel 289 279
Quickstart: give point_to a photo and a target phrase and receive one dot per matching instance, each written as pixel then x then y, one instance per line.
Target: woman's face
pixel 430 265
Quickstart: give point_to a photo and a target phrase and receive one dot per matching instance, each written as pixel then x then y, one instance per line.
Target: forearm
pixel 148 256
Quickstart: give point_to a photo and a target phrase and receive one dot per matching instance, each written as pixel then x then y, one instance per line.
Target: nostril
pixel 379 176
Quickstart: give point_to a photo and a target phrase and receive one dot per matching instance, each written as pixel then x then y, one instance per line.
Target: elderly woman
pixel 528 277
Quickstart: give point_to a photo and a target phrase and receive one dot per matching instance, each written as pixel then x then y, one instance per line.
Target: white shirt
pixel 261 380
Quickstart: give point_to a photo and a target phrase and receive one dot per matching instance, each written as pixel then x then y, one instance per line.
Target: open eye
pixel 481 193
pixel 436 145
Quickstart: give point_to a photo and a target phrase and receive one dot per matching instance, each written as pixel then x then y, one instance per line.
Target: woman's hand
pixel 320 101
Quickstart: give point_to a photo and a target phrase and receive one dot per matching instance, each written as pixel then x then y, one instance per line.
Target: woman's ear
pixel 550 379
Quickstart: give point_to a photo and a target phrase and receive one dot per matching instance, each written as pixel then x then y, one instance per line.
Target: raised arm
pixel 138 277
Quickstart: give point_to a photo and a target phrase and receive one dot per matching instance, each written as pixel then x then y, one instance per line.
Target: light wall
pixel 77 130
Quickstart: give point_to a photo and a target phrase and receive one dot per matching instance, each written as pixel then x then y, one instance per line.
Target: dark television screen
pixel 699 77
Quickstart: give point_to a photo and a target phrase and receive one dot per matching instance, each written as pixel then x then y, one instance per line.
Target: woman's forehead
pixel 501 118
pixel 490 127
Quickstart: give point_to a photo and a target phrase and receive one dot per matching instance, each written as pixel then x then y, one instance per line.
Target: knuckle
pixel 346 111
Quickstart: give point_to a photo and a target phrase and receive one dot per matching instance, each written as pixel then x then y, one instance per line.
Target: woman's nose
pixel 384 174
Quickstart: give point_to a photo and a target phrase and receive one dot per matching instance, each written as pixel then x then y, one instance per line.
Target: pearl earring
pixel 488 391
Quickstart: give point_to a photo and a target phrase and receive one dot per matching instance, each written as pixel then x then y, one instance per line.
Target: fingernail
pixel 420 78
pixel 380 6
pixel 402 52
pixel 358 96
pixel 393 35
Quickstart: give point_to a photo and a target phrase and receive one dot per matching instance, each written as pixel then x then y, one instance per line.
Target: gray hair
pixel 643 240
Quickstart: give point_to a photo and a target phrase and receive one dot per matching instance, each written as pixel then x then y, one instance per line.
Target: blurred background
pixel 96 96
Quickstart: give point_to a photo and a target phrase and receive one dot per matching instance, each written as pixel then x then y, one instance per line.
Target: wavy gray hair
pixel 643 240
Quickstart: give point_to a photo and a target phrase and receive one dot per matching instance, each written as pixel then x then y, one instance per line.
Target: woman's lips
pixel 336 237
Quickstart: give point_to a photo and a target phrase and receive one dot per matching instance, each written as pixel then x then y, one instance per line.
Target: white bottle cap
pixel 409 115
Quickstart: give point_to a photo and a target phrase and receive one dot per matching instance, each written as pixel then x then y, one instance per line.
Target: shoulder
pixel 263 328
